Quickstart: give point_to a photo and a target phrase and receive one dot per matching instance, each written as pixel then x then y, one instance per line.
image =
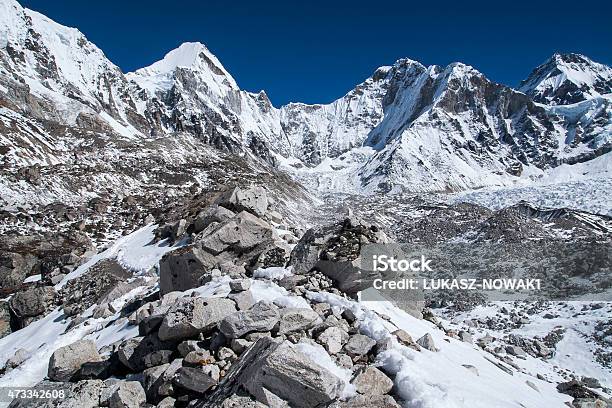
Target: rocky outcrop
pixel 276 373
pixel 67 360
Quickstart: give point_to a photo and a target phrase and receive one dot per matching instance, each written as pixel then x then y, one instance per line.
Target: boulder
pixel 293 319
pixel 372 381
pixel 98 370
pixel 263 316
pixel 17 359
pixel 427 342
pixel 102 283
pixel 238 234
pixel 67 360
pixel 331 338
pixel 465 337
pixel 133 352
pixel 209 215
pixel 244 300
pixel 128 394
pixel 240 285
pixel 185 268
pixel 193 379
pixel 187 346
pixel 359 345
pixel 14 268
pixel 253 200
pixel 405 338
pixel 167 402
pixel 190 316
pixel 30 303
pixel 277 373
pixel 198 358
pixel 516 351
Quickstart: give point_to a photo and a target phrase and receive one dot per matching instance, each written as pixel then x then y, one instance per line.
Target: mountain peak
pixel 190 55
pixel 567 78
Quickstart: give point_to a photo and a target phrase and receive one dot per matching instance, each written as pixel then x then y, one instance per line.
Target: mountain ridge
pixel 406 127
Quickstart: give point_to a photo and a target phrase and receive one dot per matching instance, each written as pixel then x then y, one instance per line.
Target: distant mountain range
pixel 407 127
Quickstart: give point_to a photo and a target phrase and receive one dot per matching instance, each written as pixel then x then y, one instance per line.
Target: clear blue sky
pixel 315 51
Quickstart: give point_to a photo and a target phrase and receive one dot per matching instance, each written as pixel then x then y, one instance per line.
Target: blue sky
pixel 315 51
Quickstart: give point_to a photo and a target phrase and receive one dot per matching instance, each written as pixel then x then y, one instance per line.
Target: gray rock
pixel 128 394
pixel 516 351
pixel 239 345
pixel 198 358
pixel 239 234
pixel 157 357
pixel 193 379
pixel 14 268
pixel 225 353
pixel 331 339
pixel 486 339
pixel 17 359
pixel 427 342
pixel 244 300
pixel 276 373
pixel 132 352
pixel 253 200
pixel 187 346
pixel 405 338
pixel 185 268
pixel 372 381
pixel 149 324
pixel 240 285
pixel 291 281
pixel 67 360
pixel 263 316
pixel 359 345
pixel 194 315
pixel 152 379
pixel 465 337
pixel 211 214
pixel 167 402
pixel 294 319
pixel 31 303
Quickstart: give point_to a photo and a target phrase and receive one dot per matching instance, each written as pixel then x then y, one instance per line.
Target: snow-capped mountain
pixel 566 79
pixel 407 127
